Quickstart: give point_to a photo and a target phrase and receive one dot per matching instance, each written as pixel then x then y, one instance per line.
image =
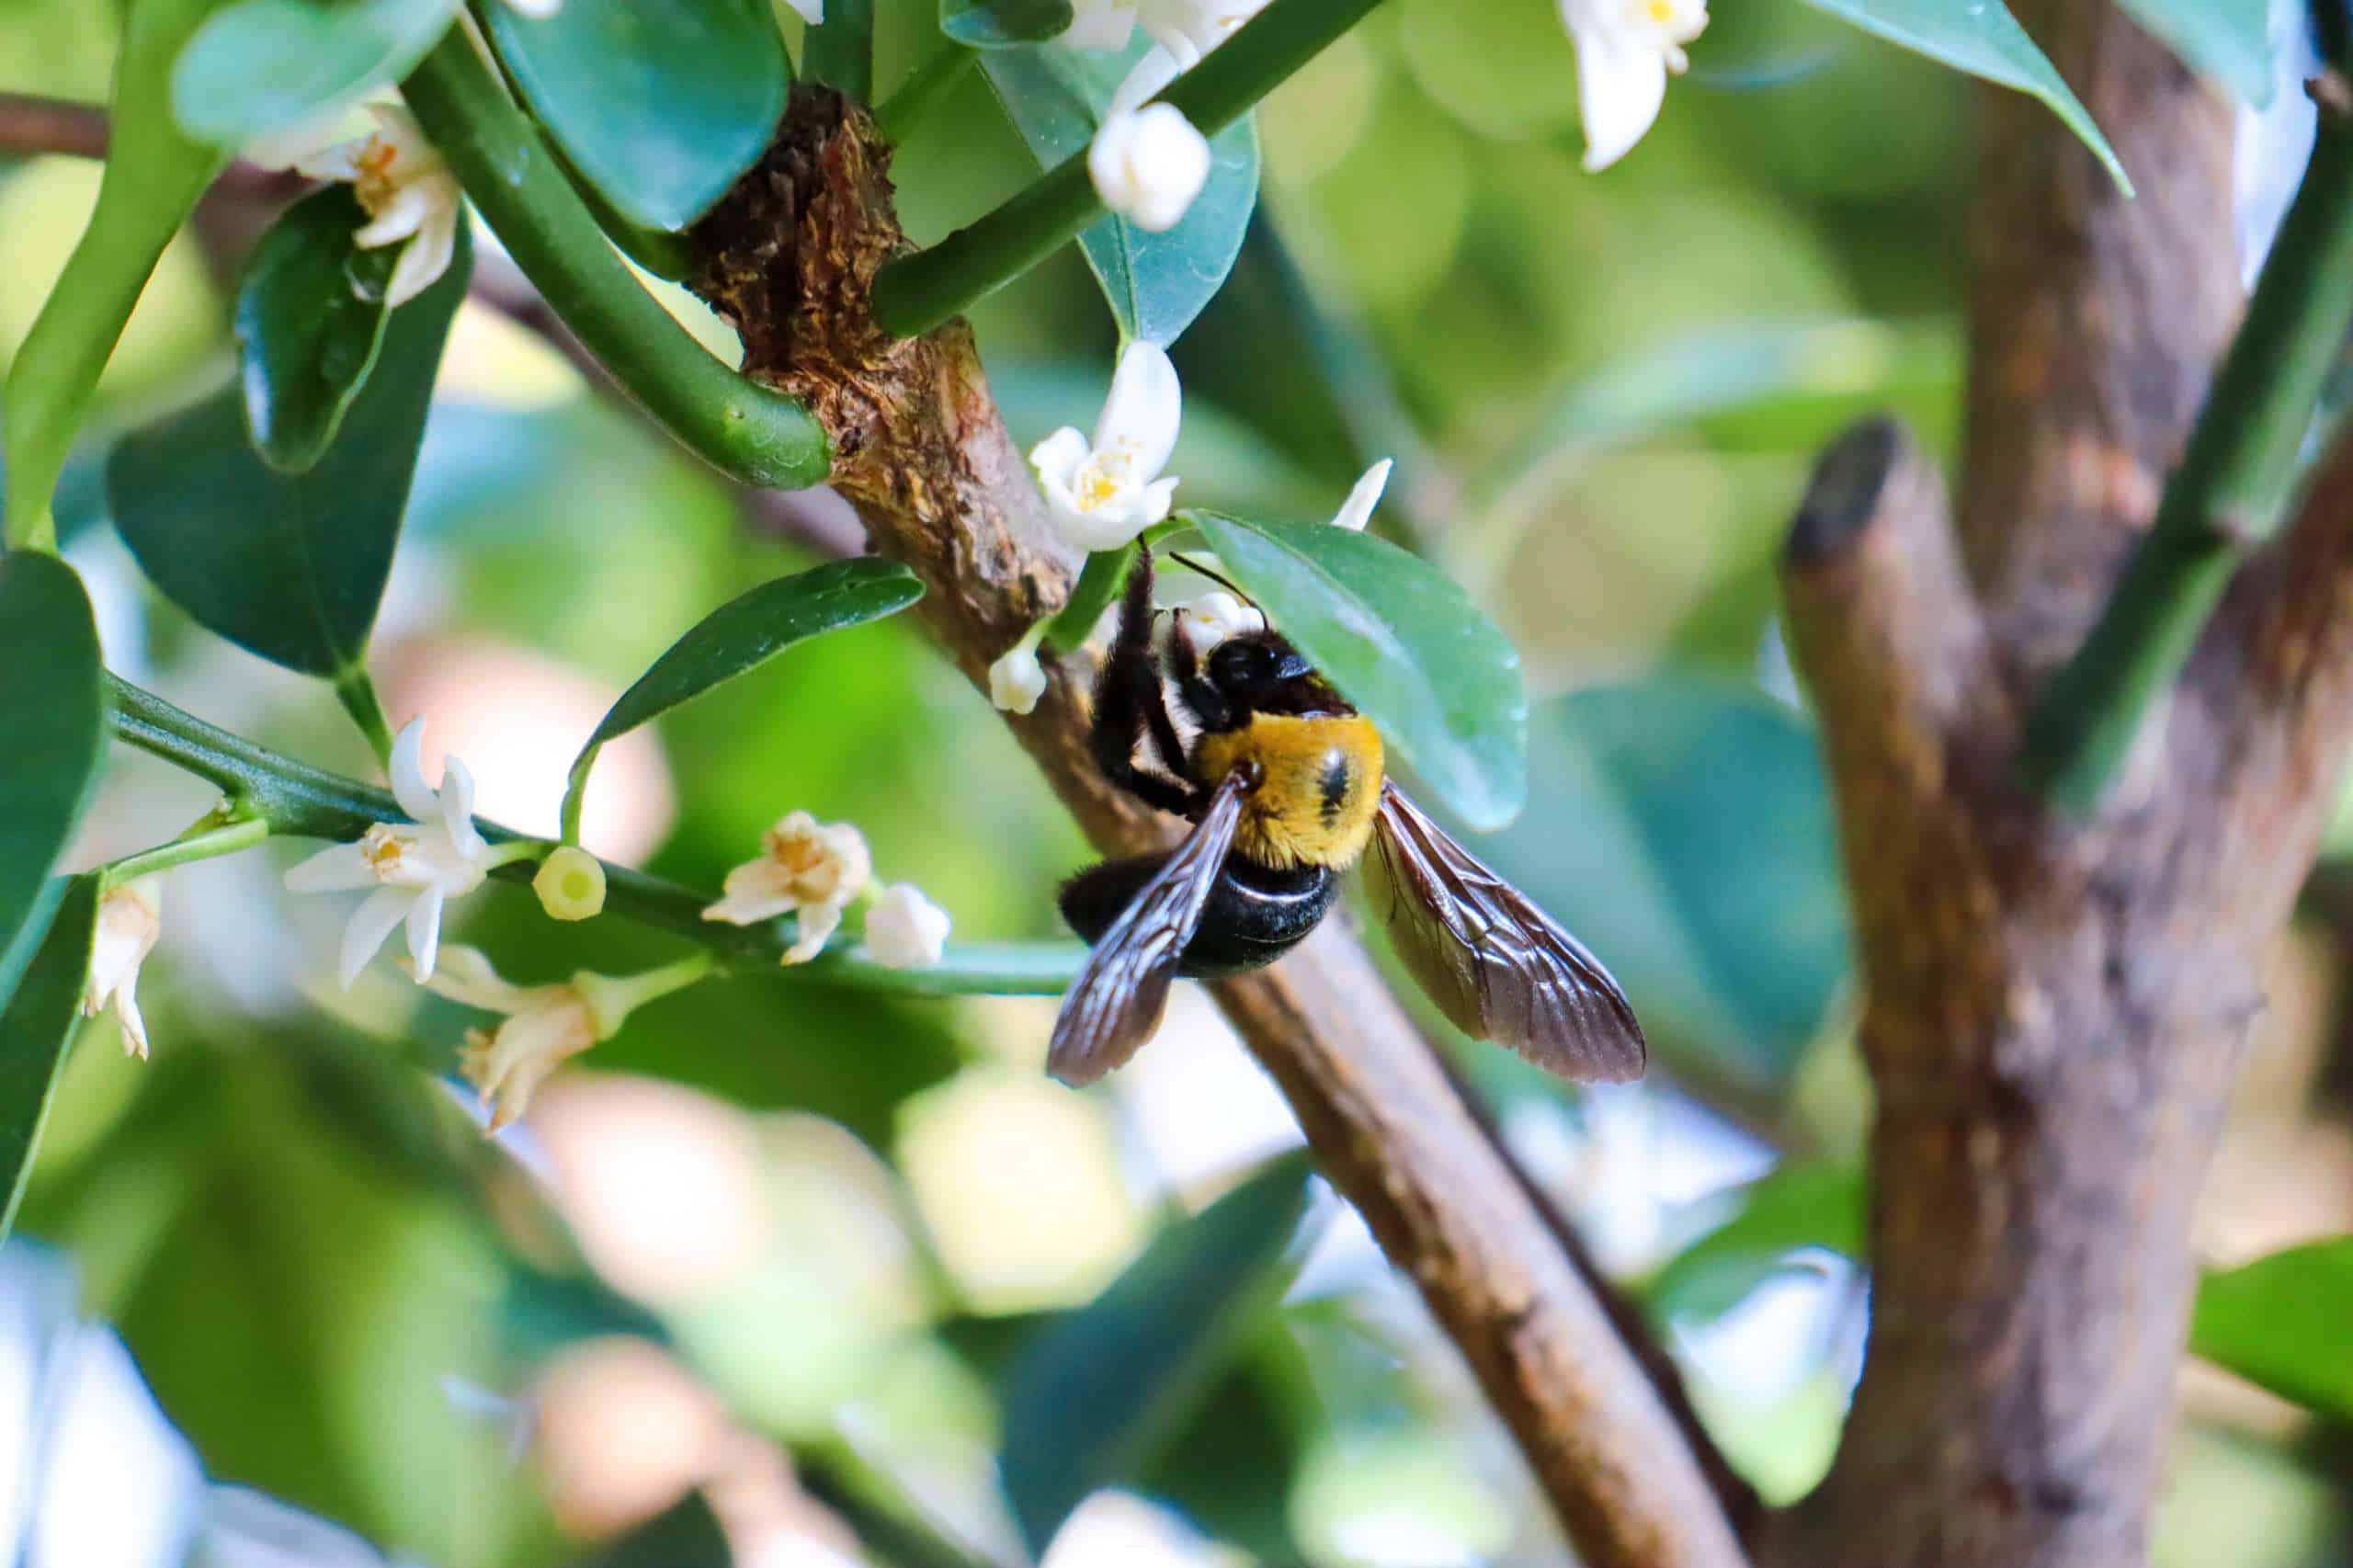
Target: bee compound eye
pixel 1239 666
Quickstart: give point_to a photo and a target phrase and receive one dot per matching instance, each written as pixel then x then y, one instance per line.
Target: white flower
pixel 1625 50
pixel 1017 680
pixel 414 868
pixel 812 11
pixel 545 1026
pixel 806 866
pixel 408 192
pixel 1104 494
pixel 1214 616
pixel 130 919
pixel 1357 510
pixel 538 10
pixel 1187 28
pixel 904 929
pixel 1148 165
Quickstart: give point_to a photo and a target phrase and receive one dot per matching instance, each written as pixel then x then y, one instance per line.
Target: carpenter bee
pixel 1284 785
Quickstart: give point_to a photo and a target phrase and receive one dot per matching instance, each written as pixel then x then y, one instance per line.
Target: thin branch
pixel 2228 494
pixel 30 124
pixel 926 457
pixel 295 799
pixel 916 293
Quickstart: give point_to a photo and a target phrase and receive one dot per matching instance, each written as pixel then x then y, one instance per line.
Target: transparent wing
pixel 1494 963
pixel 1117 1000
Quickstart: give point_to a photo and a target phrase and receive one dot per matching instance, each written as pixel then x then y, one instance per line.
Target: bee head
pixel 1260 672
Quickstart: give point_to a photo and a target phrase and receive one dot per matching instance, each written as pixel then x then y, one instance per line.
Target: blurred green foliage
pixel 859 1223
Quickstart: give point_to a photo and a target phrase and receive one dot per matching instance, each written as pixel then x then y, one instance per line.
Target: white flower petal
pixel 1356 511
pixel 426 260
pixel 1098 24
pixel 370 923
pixel 458 809
pixel 408 768
pixel 812 11
pixel 818 923
pixel 1058 458
pixel 339 867
pixel 1017 681
pixel 904 929
pixel 1621 83
pixel 1142 414
pixel 402 215
pixel 1154 70
pixel 538 10
pixel 466 974
pixel 1148 167
pixel 134 1026
pixel 338 162
pixel 424 932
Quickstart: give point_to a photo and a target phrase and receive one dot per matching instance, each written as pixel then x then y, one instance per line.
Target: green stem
pixel 297 800
pixel 739 426
pixel 898 115
pixel 358 695
pixel 239 833
pixel 840 50
pixel 917 292
pixel 2236 476
pixel 575 794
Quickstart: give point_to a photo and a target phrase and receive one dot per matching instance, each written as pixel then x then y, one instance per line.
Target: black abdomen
pixel 1255 913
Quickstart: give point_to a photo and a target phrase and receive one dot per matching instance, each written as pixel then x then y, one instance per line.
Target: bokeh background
pixel 768 1263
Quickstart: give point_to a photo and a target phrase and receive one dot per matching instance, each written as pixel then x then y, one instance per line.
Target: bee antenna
pixel 1189 564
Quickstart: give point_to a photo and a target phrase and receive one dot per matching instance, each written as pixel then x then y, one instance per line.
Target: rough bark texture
pixel 921 452
pixel 2054 1008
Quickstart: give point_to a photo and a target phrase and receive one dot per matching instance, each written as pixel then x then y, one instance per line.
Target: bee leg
pixel 1129 703
pixel 1205 701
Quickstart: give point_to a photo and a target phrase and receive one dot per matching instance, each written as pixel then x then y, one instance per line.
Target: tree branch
pixel 2228 491
pixel 922 454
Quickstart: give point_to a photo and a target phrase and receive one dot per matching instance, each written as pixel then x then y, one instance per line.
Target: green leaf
pixel 55 725
pixel 311 317
pixel 35 1031
pixel 1089 1402
pixel 1099 581
pixel 289 565
pixel 1404 644
pixel 1983 39
pixel 2285 1322
pixel 262 66
pixel 151 180
pixel 1682 827
pixel 742 634
pixel 1155 284
pixel 659 104
pixel 1796 1208
pixel 2227 42
pixel 999 24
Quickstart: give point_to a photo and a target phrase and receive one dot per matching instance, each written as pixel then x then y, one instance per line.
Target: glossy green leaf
pixel 53 717
pixel 2227 42
pixel 1402 642
pixel 289 565
pixel 152 177
pixel 1089 1401
pixel 1797 1208
pixel 1155 284
pixel 744 634
pixel 659 104
pixel 264 66
pixel 1682 827
pixel 35 1028
pixel 311 317
pixel 1981 38
pixel 2285 1322
pixel 1000 23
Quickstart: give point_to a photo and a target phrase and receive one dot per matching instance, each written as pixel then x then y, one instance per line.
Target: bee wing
pixel 1494 963
pixel 1117 1000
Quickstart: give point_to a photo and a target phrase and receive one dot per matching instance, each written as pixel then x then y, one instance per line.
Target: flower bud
pixel 571 884
pixel 1148 165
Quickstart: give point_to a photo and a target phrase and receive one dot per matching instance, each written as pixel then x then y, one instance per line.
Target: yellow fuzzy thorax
pixel 1322 787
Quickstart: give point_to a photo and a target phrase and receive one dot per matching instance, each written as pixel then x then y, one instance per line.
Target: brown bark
pixel 2054 1011
pixel 921 451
